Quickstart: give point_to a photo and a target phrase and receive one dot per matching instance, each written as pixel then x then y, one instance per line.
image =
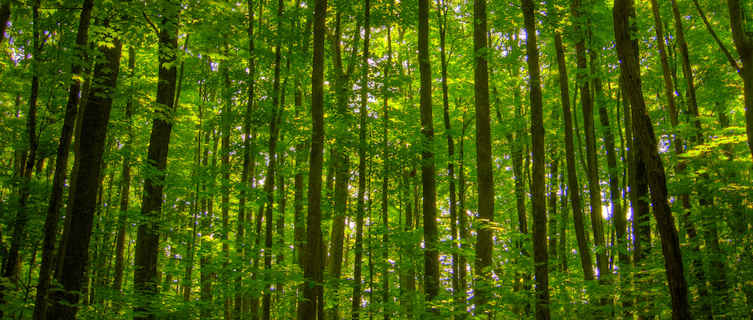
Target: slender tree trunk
pixel 385 181
pixel 744 45
pixel 147 241
pixel 83 205
pixel 125 185
pixel 61 163
pixel 269 180
pixel 313 304
pixel 431 255
pixel 572 179
pixel 592 168
pixel 627 49
pixel 483 158
pixel 341 164
pixel 226 119
pixel 538 188
pixel 11 266
pixel 356 301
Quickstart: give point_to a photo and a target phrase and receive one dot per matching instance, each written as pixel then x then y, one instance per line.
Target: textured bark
pixel 592 167
pixel 357 263
pixel 313 304
pixel 584 250
pixel 342 162
pixel 645 141
pixel 61 163
pixel 147 241
pixel 431 253
pixel 538 183
pixel 483 157
pixel 83 205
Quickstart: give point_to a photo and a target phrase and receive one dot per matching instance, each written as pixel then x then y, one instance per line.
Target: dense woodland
pixel 445 159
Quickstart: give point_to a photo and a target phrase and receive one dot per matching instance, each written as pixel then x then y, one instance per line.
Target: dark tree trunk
pixel 269 180
pixel 431 255
pixel 147 241
pixel 61 164
pixel 362 145
pixel 744 44
pixel 483 157
pixel 538 183
pixel 627 49
pixel 125 185
pixel 592 168
pixel 313 304
pixel 83 205
pixel 572 179
pixel 385 180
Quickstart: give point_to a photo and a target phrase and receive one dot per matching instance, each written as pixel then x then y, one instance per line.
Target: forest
pixel 388 159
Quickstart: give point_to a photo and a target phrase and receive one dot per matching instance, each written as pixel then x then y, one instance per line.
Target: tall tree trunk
pixel 61 163
pixel 313 304
pixel 362 145
pixel 226 123
pixel 95 117
pixel 442 14
pixel 431 255
pixel 584 248
pixel 627 49
pixel 592 168
pixel 147 241
pixel 341 164
pixel 483 158
pixel 385 180
pixel 11 265
pixel 538 185
pixel 744 45
pixel 241 248
pixel 125 185
pixel 269 180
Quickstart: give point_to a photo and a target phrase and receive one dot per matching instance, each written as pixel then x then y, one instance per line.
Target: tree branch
pixel 726 52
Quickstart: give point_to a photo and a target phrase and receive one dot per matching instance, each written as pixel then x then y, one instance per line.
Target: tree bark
pixel 431 255
pixel 538 185
pixel 83 205
pixel 313 304
pixel 61 162
pixel 572 179
pixel 125 183
pixel 362 145
pixel 627 49
pixel 485 183
pixel 147 241
pixel 592 167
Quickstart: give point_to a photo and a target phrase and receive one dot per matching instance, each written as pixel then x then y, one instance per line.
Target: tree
pixel 95 117
pixel 147 241
pixel 483 156
pixel 627 49
pixel 313 305
pixel 431 255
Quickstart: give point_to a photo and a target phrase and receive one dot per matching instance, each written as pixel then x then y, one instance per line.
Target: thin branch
pixel 731 60
pixel 150 22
